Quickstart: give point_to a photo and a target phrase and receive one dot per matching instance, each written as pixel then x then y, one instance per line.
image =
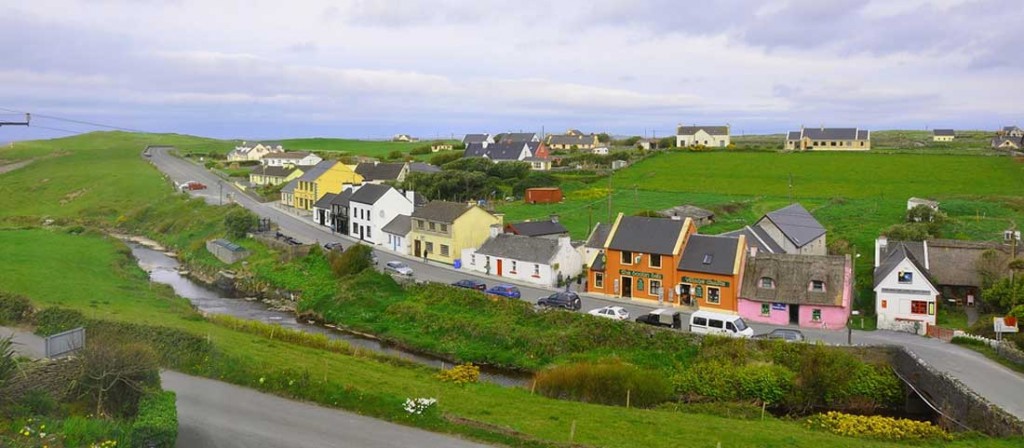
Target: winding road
pixel 993 381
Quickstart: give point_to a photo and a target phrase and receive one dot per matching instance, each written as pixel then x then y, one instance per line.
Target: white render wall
pixel 378 215
pixel 702 138
pixel 310 159
pixel 898 297
pixel 397 243
pixel 569 260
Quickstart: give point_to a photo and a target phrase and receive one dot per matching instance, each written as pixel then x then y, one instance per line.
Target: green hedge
pixel 53 320
pixel 156 425
pixel 14 308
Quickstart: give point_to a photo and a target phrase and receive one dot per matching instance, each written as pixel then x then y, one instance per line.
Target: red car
pixel 192 185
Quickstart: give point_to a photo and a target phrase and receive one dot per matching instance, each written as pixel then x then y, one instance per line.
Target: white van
pixel 707 322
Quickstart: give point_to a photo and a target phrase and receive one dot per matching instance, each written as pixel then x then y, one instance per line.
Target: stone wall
pixel 1005 348
pixel 952 398
pixel 57 377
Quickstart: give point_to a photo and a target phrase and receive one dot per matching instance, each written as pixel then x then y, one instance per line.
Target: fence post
pixel 627 398
pixel 533 387
pixel 572 432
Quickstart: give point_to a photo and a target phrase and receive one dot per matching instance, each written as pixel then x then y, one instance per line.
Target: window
pixel 885 303
pixel 655 260
pixel 702 321
pixel 905 277
pixel 536 270
pixel 419 224
pixel 708 258
pixel 833 144
pixel 368 232
pixel 598 280
pixel 767 283
pixel 931 308
pixel 513 266
pixel 918 307
pixel 433 226
pixel 766 309
pixel 444 250
pixel 817 286
pixel 472 260
pixel 627 257
pixel 444 228
pixel 715 323
pixel 430 247
pixel 655 287
pixel 729 326
pixel 816 314
pixel 713 296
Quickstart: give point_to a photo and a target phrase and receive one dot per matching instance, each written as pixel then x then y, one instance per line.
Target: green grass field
pixel 969 142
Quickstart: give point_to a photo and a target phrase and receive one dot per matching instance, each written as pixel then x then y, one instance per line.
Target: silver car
pixel 398 267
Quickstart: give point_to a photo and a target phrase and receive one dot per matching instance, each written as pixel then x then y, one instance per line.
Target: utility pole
pixel 28 118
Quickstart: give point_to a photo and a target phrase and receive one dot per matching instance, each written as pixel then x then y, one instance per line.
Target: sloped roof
pixel 758 238
pixel 495 151
pixel 599 262
pixel 342 198
pixel 713 130
pixel 944 132
pixel 796 223
pixel 916 249
pixel 369 194
pixel 401 225
pixel 954 262
pixel 517 137
pixel 276 171
pixel 522 248
pixel 598 236
pixel 288 155
pixel 475 138
pixel 538 228
pixel 1000 140
pixel 290 186
pixel 710 254
pixel 1010 128
pixel 441 211
pixel 647 235
pixel 572 140
pixel 895 254
pixel 420 167
pixel 831 133
pixel 792 275
pixel 317 170
pixel 325 201
pixel 379 171
pixel 793 135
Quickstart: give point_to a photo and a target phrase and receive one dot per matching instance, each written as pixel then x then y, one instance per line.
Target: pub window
pixel 766 309
pixel 655 287
pixel 598 280
pixel 817 286
pixel 655 260
pixel 918 307
pixel 713 296
pixel 767 283
pixel 627 257
pixel 816 314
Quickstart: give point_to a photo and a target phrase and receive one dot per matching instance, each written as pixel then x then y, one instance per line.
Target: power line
pixel 72 120
pixel 54 129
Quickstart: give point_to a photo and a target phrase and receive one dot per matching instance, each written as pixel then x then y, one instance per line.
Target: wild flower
pixel 417 406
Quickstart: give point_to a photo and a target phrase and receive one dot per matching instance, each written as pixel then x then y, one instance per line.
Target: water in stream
pixel 164 269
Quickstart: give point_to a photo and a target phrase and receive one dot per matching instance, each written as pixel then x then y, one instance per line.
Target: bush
pixel 8 361
pixel 963 340
pixel 445 157
pixel 532 181
pixel 604 383
pixel 14 308
pixel 877 427
pixel 395 155
pixel 420 150
pixel 53 320
pixel 239 221
pixel 460 374
pixel 352 261
pixel 114 376
pixel 723 380
pixel 156 425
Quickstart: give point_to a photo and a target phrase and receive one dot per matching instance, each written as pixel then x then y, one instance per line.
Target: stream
pixel 164 269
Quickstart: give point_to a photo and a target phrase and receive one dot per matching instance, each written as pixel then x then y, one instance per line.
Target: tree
pixel 908 232
pixel 604 137
pixel 924 213
pixel 356 259
pixel 445 157
pixel 1006 294
pixel 478 164
pixel 532 181
pixel 395 155
pixel 238 222
pixel 509 170
pixel 667 142
pixel 115 375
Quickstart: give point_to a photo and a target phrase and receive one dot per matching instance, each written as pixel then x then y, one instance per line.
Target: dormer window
pixel 817 286
pixel 767 283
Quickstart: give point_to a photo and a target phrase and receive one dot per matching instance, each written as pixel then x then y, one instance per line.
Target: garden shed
pixel 226 251
pixel 543 195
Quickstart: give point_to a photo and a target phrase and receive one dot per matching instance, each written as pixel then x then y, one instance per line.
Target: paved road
pixel 213 414
pixel 998 384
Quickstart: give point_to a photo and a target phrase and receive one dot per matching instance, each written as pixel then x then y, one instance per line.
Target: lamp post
pixel 220 195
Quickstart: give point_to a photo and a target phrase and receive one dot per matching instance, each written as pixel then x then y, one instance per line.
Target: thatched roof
pixel 954 262
pixel 792 275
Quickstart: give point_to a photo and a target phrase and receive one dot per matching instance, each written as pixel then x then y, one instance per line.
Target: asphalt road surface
pixel 1000 385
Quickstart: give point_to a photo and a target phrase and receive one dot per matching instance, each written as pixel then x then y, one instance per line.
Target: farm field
pixel 967 142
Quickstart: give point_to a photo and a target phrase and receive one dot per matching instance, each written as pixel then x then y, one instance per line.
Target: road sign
pixel 1005 324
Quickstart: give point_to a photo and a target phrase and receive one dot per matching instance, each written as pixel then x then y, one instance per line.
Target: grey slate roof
pixel 793 135
pixel 276 171
pixel 599 262
pixel 495 151
pixel 833 134
pixel 944 132
pixel 475 138
pixel 792 274
pixel 522 248
pixel 572 140
pixel 598 236
pixel 647 235
pixel 710 254
pixel 379 171
pixel 538 228
pixel 1010 128
pixel 369 194
pixel 894 255
pixel 796 223
pixel 288 155
pixel 713 130
pixel 441 211
pixel 1000 140
pixel 325 202
pixel 317 170
pixel 515 137
pixel 420 167
pixel 290 186
pixel 758 238
pixel 401 225
pixel 342 199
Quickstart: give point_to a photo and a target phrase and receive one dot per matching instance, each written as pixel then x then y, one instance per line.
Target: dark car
pixel 470 284
pixel 564 299
pixel 505 291
pixel 786 334
pixel 662 318
pixel 334 246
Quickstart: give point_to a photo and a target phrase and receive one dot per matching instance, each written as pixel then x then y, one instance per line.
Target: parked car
pixel 707 322
pixel 334 246
pixel 563 299
pixel 470 284
pixel 662 317
pixel 509 291
pixel 786 334
pixel 191 185
pixel 610 312
pixel 398 267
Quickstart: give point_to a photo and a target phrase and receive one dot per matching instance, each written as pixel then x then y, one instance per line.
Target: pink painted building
pixel 808 290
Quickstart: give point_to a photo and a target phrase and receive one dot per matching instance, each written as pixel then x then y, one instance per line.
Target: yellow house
pixel 440 230
pixel 275 175
pixel 943 135
pixel 325 177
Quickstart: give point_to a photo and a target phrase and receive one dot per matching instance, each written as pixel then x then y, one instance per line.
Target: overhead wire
pixel 72 120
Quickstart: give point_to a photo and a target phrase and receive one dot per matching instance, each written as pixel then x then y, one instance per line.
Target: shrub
pixel 8 362
pixel 445 157
pixel 878 427
pixel 420 150
pixel 395 155
pixel 239 221
pixel 156 425
pixel 724 381
pixel 963 340
pixel 114 376
pixel 460 374
pixel 54 320
pixel 37 402
pixel 352 261
pixel 604 383
pixel 14 308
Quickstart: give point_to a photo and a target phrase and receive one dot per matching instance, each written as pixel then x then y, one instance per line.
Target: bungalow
pixel 1007 142
pixel 540 261
pixel 807 290
pixel 372 207
pixel 516 137
pixel 551 229
pixel 711 272
pixel 377 172
pixel 1012 131
pixel 648 144
pixel 943 135
pixel 441 230
pixel 709 136
pixel 247 152
pixel 397 232
pixel 906 298
pixel 485 139
pixel 322 210
pixel 274 175
pixel 914 202
pixel 534 153
pixel 325 177
pixel 291 158
pixel 831 139
pixel 567 142
pixel 639 257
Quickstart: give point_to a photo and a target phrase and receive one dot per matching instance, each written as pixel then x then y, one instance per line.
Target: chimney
pixel 411 196
pixel 565 241
pixel 753 251
pixel 554 217
pixel 495 230
pixel 880 244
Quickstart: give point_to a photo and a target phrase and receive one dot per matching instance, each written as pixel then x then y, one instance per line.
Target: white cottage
pixel 374 206
pixel 905 297
pixel 291 158
pixel 709 136
pixel 397 232
pixel 535 260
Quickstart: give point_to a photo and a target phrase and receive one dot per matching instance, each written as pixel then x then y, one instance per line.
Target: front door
pixel 417 249
pixel 627 286
pixel 499 267
pixel 794 314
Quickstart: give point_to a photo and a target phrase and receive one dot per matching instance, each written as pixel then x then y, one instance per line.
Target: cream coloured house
pixel 253 151
pixel 943 135
pixel 829 139
pixel 708 136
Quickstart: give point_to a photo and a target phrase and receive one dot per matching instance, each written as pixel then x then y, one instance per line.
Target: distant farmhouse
pixel 943 135
pixel 255 151
pixel 485 139
pixel 573 139
pixel 829 139
pixel 530 151
pixel 1011 131
pixel 1007 142
pixel 405 138
pixel 710 136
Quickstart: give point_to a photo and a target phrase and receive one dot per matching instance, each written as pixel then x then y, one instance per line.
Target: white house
pixel 535 260
pixel 322 210
pixel 905 297
pixel 291 158
pixel 253 151
pixel 397 232
pixel 374 206
pixel 710 136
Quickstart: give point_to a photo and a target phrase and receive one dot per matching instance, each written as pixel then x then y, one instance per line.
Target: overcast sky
pixel 273 69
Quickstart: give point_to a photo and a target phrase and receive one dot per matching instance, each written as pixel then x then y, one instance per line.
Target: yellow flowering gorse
pixel 874 426
pixel 460 374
